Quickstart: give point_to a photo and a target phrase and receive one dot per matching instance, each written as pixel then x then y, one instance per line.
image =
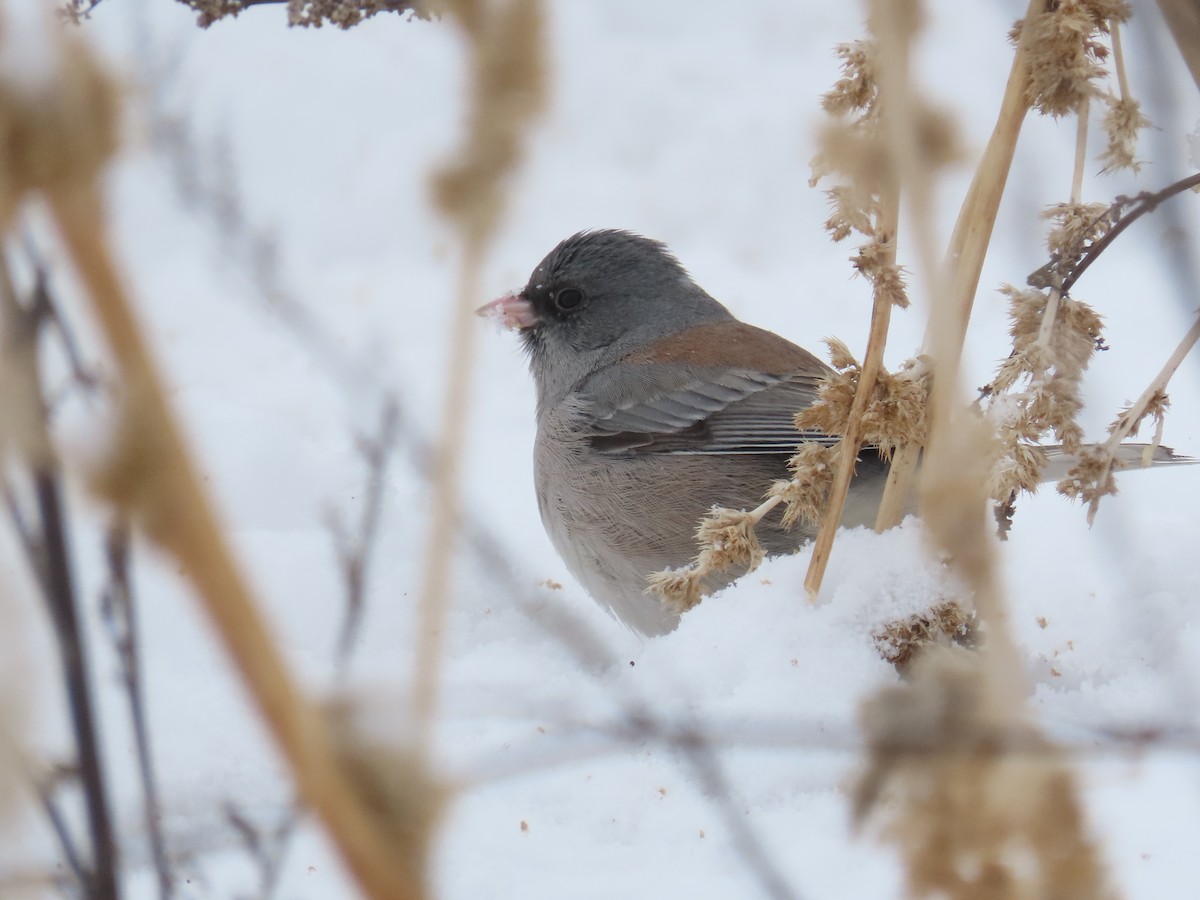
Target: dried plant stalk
pixel 154 481
pixel 967 250
pixel 980 809
pixel 58 143
pixel 937 743
pixel 508 92
pixel 1092 478
pixel 852 440
pixel 894 25
pixel 727 540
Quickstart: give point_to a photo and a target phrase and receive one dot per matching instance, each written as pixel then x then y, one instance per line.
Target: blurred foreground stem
pixel 161 491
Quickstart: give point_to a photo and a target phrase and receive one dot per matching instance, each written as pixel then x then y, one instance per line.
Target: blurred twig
pixel 120 616
pixel 45 543
pixel 354 552
pixel 62 831
pixel 1124 211
pixel 151 477
pixel 506 56
pixel 267 847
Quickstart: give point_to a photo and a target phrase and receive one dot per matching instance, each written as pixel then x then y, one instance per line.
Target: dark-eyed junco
pixel 653 405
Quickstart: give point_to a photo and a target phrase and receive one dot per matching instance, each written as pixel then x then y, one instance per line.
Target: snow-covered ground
pixel 692 122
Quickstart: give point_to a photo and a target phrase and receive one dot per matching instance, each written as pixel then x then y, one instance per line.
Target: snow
pixel 693 123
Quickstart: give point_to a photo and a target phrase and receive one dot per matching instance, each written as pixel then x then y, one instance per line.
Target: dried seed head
pixel 805 493
pixel 1089 480
pixel 679 589
pixel 857 90
pixel 874 261
pixel 1075 226
pixel 978 807
pixel 946 621
pixel 1122 123
pixel 1065 54
pixel 728 541
pixel 896 414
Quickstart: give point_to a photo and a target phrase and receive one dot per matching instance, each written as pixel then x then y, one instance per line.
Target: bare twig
pixel 46 546
pixel 893 32
pixel 354 552
pixel 62 831
pixel 59 589
pixel 1133 209
pixel 268 848
pixel 1081 131
pixel 120 616
pixel 44 308
pixel 156 481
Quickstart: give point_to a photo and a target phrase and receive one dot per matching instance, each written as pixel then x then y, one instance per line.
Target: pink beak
pixel 512 311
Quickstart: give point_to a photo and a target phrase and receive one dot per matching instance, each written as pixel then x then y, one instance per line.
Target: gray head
pixel 598 296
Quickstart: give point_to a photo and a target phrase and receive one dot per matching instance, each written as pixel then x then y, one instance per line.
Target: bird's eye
pixel 568 298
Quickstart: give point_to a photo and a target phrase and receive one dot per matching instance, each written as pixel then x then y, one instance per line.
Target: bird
pixel 655 404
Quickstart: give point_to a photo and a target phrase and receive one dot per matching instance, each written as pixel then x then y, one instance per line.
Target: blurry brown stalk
pixel 895 34
pixel 155 481
pixel 964 263
pixel 505 44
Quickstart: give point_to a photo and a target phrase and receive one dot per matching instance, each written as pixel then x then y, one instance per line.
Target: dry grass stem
pixel 1066 53
pixel 893 26
pixel 957 821
pixel 152 479
pixel 1081 131
pixel 968 247
pixel 63 144
pixel 727 541
pixel 1092 478
pixel 506 55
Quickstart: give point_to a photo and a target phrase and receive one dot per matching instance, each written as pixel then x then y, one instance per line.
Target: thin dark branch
pixel 267 849
pixel 45 310
pixel 1125 211
pixel 705 764
pixel 45 792
pixel 120 616
pixel 61 599
pixel 49 557
pixel 31 543
pixel 354 554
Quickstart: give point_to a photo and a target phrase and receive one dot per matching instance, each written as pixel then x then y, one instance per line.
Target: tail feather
pixel 1127 456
